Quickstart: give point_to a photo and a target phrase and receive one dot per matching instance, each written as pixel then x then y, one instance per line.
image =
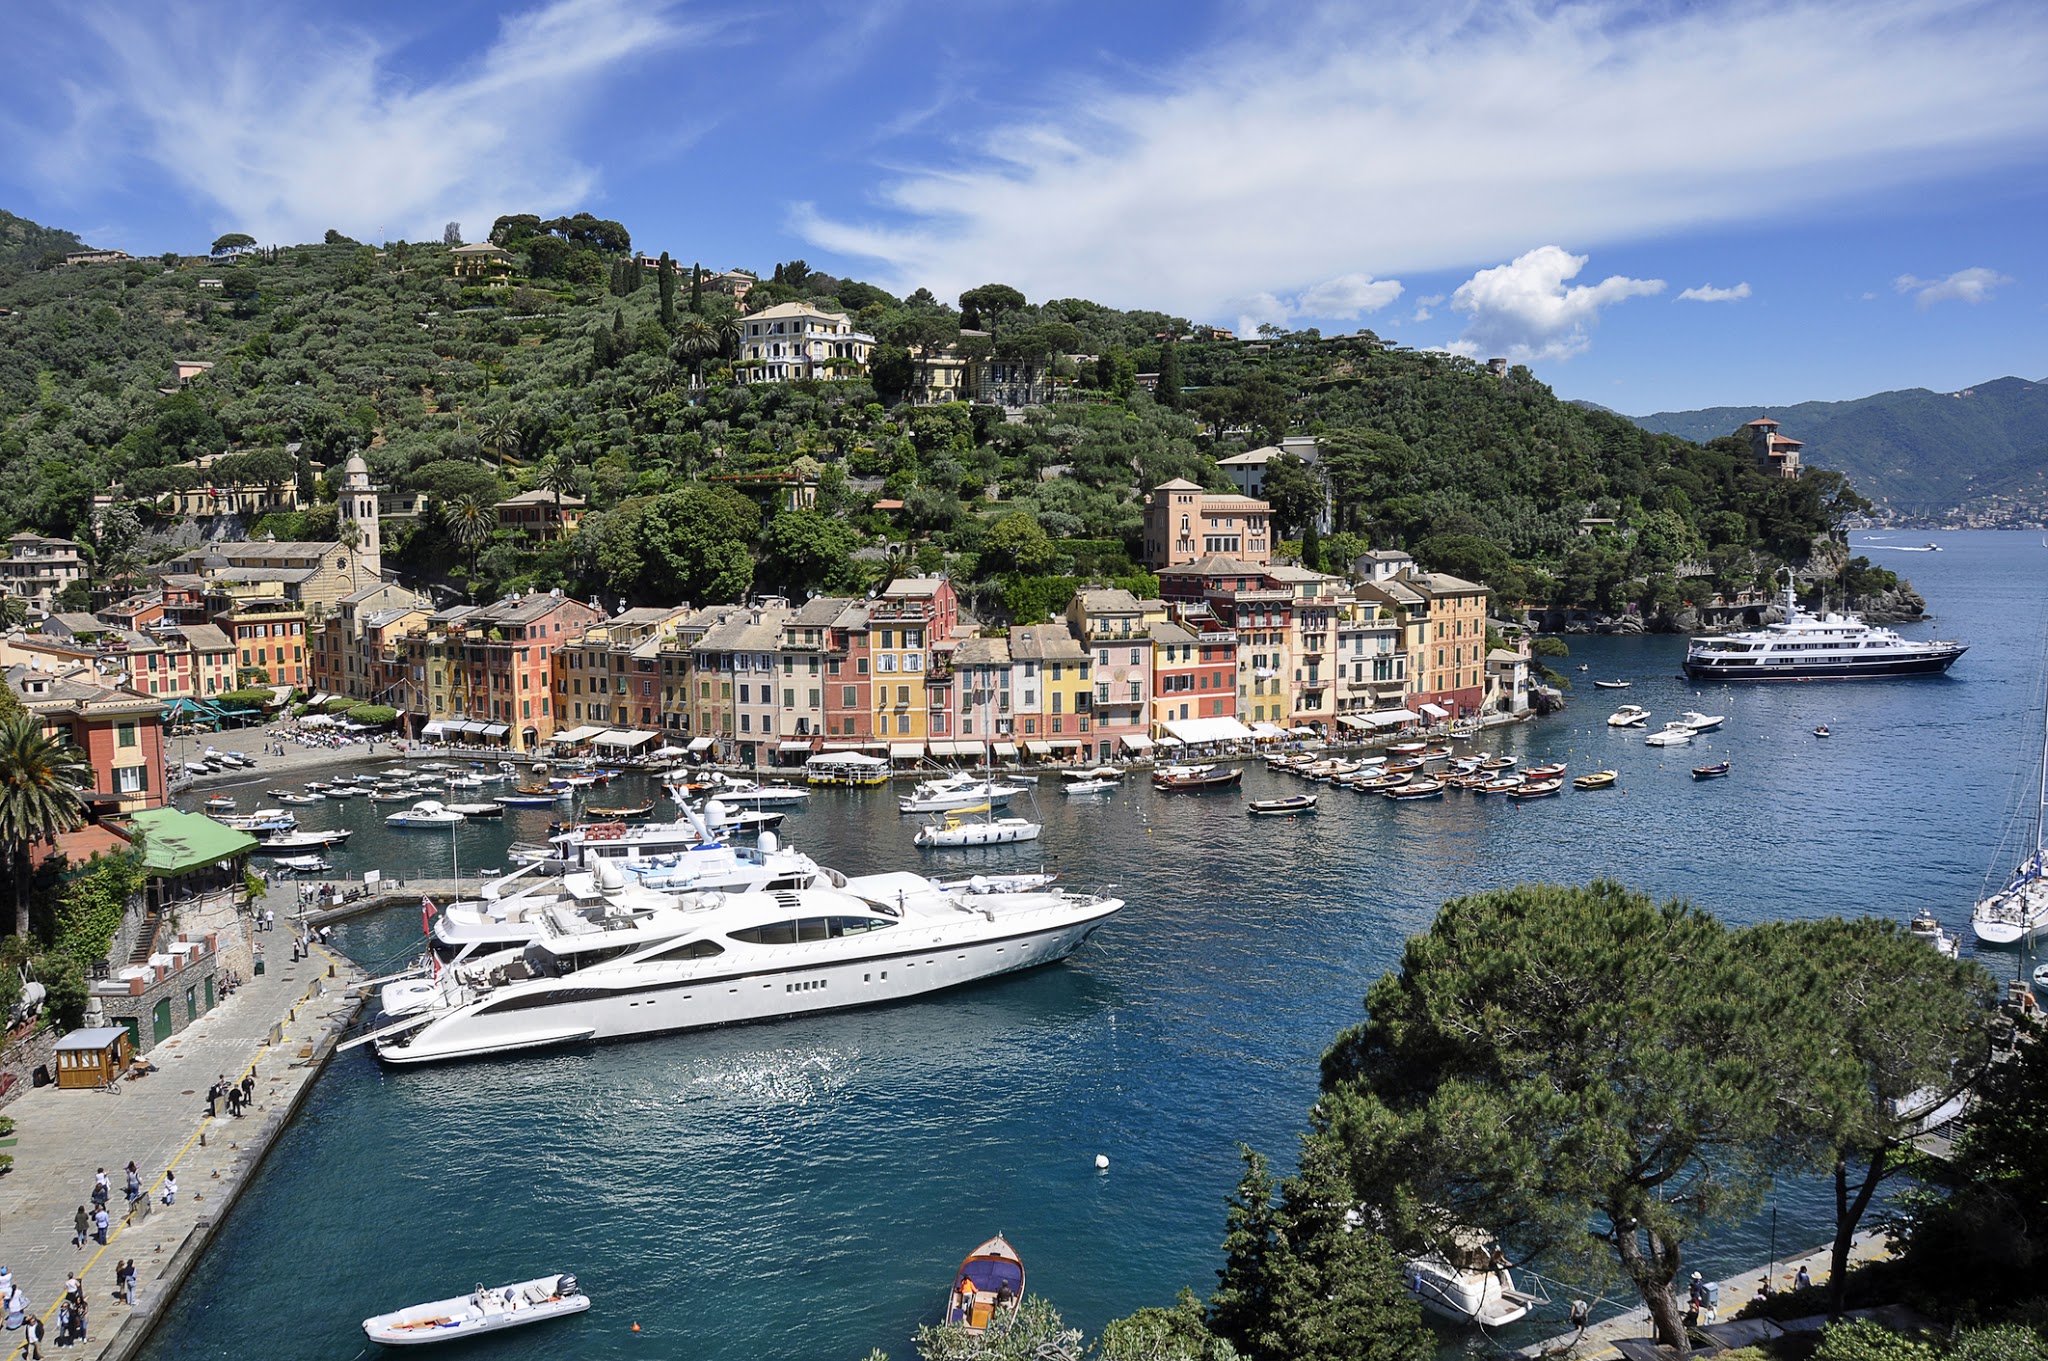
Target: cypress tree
pixel 1168 391
pixel 667 279
pixel 1312 548
pixel 697 288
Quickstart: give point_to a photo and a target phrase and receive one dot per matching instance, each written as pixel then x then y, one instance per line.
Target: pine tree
pixel 1240 1310
pixel 667 278
pixel 1168 391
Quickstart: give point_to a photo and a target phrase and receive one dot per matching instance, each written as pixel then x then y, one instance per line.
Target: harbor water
pixel 807 1188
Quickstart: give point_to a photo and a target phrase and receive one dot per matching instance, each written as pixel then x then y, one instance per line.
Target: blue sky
pixel 1656 206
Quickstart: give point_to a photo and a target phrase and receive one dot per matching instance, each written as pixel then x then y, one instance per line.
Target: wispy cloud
pixel 1973 285
pixel 288 127
pixel 1362 138
pixel 1709 293
pixel 1344 298
pixel 1524 311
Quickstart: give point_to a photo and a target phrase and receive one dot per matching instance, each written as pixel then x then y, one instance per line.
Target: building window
pixel 124 734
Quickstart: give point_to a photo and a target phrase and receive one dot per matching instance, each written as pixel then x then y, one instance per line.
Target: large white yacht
pixel 508 914
pixel 628 967
pixel 1806 646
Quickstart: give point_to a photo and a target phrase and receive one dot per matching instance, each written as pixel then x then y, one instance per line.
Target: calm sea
pixel 805 1189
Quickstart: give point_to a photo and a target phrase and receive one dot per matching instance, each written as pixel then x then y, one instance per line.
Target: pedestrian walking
pixel 100 1189
pixel 81 1225
pixel 17 1305
pixel 212 1101
pixel 32 1338
pixel 64 1324
pixel 170 1188
pixel 78 1318
pixel 269 919
pixel 100 1223
pixel 134 1185
pixel 124 1279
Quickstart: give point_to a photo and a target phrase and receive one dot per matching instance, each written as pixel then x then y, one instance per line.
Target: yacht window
pixel 854 926
pixel 814 928
pixel 696 949
pixel 768 933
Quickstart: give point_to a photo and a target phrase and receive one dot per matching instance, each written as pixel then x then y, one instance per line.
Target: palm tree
pixel 350 536
pixel 500 434
pixel 696 340
pixel 558 475
pixel 730 329
pixel 470 522
pixel 40 780
pixel 13 611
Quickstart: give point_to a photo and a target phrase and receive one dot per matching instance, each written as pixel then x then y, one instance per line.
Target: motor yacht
pixel 1925 927
pixel 747 794
pixel 1628 716
pixel 1673 734
pixel 425 813
pixel 1468 1283
pixel 955 791
pixel 1806 646
pixel 1699 722
pixel 720 959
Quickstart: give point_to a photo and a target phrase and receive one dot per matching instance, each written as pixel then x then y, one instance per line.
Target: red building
pixel 1194 668
pixel 849 686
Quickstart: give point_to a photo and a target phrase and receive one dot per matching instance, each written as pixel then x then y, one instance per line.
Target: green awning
pixel 175 842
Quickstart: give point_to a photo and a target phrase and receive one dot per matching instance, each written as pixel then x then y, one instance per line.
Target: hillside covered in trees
pixel 1974 457
pixel 591 375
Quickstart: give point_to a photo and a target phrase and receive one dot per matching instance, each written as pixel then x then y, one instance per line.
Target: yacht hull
pixel 1697 668
pixel 785 981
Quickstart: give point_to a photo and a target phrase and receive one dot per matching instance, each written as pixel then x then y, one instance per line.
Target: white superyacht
pixel 632 966
pixel 1806 646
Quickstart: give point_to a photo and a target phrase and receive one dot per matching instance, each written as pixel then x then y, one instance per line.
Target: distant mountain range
pixel 1978 457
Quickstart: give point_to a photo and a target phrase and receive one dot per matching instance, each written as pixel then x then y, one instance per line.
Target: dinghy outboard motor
pixel 565 1286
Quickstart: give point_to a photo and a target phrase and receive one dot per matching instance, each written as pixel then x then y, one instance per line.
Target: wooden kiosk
pixel 93 1058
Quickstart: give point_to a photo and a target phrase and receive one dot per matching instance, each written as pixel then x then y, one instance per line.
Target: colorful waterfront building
pixel 1194 669
pixel 484 674
pixel 1444 635
pixel 732 665
pixel 609 678
pixel 120 732
pixel 907 623
pixel 983 675
pixel 1116 627
pixel 849 681
pixel 1055 695
pixel 357 648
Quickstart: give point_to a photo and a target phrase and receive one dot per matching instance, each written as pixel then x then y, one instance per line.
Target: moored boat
pixel 2016 913
pixel 425 813
pixel 285 843
pixel 1535 789
pixel 1195 779
pixel 1280 808
pixel 1414 789
pixel 629 813
pixel 221 803
pixel 1699 722
pixel 1468 1283
pixel 1716 771
pixel 1925 927
pixel 487 1309
pixel 963 828
pixel 1822 731
pixel 1089 787
pixel 1676 734
pixel 1805 646
pixel 1612 685
pixel 1628 716
pixel 989 1285
pixel 1549 772
pixel 1599 779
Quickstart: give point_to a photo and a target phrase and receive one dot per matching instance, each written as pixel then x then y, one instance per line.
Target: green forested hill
pixel 592 377
pixel 26 245
pixel 1975 456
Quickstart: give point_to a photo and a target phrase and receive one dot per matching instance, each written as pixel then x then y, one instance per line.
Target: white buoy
pixel 1102 1162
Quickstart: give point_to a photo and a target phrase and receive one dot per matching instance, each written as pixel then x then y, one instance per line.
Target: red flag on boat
pixel 426 914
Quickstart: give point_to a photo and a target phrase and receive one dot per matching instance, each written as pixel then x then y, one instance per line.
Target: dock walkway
pixel 1630 1336
pixel 279 1027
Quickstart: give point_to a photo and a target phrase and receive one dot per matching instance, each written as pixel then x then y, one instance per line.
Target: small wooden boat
pixel 1498 763
pixel 1408 748
pixel 1599 779
pixel 1401 768
pixel 1280 808
pixel 1089 787
pixel 1502 784
pixel 1415 789
pixel 1379 784
pixel 1717 771
pixel 1549 772
pixel 1822 731
pixel 1612 685
pixel 990 1282
pixel 1535 789
pixel 1195 779
pixel 548 800
pixel 487 1309
pixel 638 810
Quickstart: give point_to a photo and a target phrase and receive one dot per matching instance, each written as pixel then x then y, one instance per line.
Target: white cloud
pixel 290 128
pixel 1709 293
pixel 1973 285
pixel 1363 136
pixel 1426 305
pixel 1524 311
pixel 1344 298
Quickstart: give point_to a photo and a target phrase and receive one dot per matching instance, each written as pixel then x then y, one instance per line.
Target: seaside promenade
pixel 279 1027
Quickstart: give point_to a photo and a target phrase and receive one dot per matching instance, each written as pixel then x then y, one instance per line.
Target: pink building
pixel 1183 523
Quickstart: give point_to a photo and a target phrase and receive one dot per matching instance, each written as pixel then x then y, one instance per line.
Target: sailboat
pixel 2014 914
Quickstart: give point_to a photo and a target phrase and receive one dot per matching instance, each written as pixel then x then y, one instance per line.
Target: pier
pixel 279 1027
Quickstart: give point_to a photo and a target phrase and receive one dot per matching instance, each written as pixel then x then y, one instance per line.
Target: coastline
pixel 280 1028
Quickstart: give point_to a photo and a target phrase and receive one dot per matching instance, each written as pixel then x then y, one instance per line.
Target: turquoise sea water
pixel 805 1189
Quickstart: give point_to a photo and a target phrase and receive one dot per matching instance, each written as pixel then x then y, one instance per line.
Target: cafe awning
pixel 958 749
pixel 1136 742
pixel 1435 711
pixel 1005 748
pixel 698 744
pixel 801 745
pixel 905 751
pixel 1353 721
pixel 1268 730
pixel 435 728
pixel 575 735
pixel 1198 730
pixel 1039 748
pixel 623 737
pixel 1388 718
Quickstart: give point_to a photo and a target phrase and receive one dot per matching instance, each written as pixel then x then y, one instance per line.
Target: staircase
pixel 145 938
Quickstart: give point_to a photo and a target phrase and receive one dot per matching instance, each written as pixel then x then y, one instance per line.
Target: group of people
pixel 72 1314
pixel 236 1096
pixel 302 945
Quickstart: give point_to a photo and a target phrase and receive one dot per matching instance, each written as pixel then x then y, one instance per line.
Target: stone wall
pixel 21 1058
pixel 192 988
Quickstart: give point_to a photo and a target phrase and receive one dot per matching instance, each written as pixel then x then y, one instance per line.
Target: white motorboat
pixel 1628 716
pixel 746 794
pixel 721 959
pixel 2018 912
pixel 1089 787
pixel 1468 1283
pixel 304 864
pixel 721 820
pixel 1699 722
pixel 1096 773
pixel 1807 646
pixel 1674 734
pixel 955 791
pixel 285 843
pixel 1926 927
pixel 478 810
pixel 963 827
pixel 301 799
pixel 261 822
pixel 425 813
pixel 484 1310
pixel 508 912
